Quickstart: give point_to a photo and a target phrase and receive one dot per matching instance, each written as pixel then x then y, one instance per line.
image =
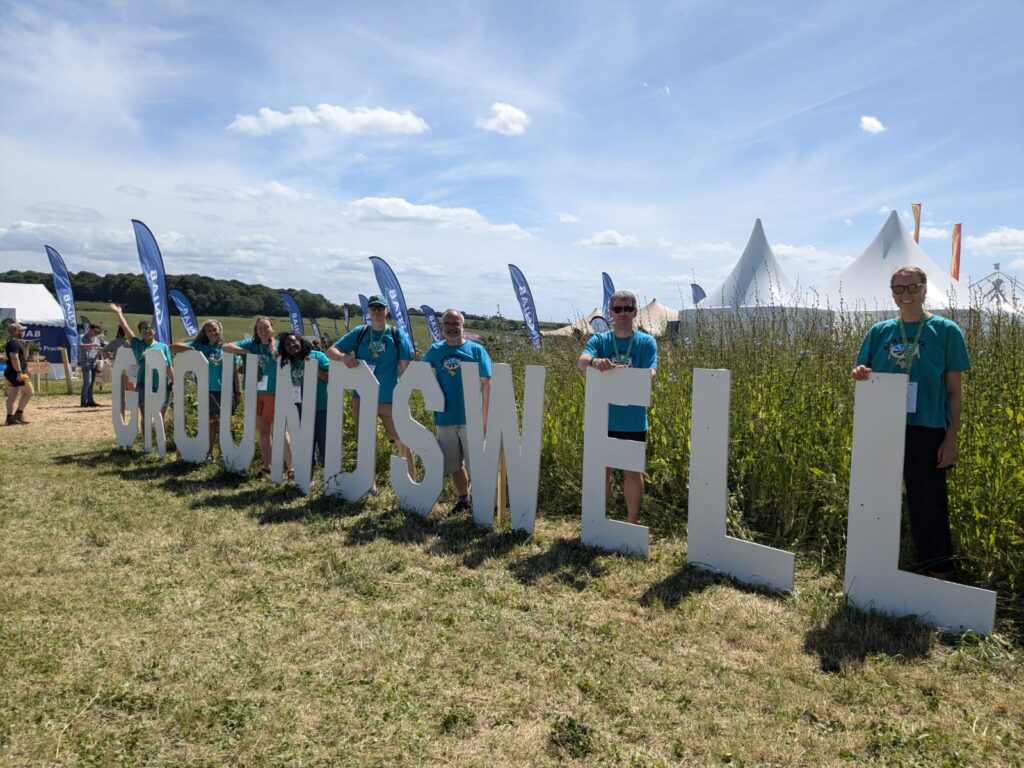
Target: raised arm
pixel 128 332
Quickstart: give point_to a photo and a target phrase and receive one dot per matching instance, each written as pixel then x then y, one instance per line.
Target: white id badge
pixel 262 383
pixel 297 395
pixel 133 371
pixel 371 366
pixel 911 397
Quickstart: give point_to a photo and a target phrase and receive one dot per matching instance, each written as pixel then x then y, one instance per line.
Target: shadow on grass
pixel 690 580
pixel 851 636
pixel 567 561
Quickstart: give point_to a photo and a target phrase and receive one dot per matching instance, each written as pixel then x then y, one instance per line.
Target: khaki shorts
pixel 384 412
pixel 454 443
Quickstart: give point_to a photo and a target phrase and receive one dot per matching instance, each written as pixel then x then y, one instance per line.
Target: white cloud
pixel 333 119
pixel 812 257
pixel 396 210
pixel 934 233
pixel 131 190
pixel 65 212
pixel 695 251
pixel 848 222
pixel 1004 242
pixel 609 238
pixel 507 120
pixel 664 242
pixel 272 191
pixel 870 124
pixel 567 218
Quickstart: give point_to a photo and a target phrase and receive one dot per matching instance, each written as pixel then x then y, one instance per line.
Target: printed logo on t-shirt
pixel 451 365
pixel 900 353
pixel 622 359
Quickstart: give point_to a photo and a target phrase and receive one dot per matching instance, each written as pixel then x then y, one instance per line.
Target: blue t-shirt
pixel 447 360
pixel 941 348
pixel 638 351
pixel 139 348
pixel 377 348
pixel 268 365
pixel 214 356
pixel 298 373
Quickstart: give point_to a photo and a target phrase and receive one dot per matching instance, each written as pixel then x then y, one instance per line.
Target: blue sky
pixel 284 143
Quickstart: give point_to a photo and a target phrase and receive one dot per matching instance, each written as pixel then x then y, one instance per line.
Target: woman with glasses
pixel 139 347
pixel 262 344
pixel 209 341
pixel 931 351
pixel 623 347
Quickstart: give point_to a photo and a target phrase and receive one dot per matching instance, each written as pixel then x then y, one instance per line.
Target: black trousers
pixel 927 498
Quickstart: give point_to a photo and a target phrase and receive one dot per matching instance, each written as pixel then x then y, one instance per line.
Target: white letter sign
pixel 192 449
pixel 351 485
pixel 238 458
pixel 625 386
pixel 419 497
pixel 707 544
pixel 125 432
pixel 873 577
pixel 155 362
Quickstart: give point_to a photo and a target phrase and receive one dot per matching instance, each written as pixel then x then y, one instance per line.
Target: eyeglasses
pixel 617 310
pixel 376 307
pixel 145 329
pixel 899 290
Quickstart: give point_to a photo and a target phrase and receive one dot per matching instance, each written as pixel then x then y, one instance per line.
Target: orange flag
pixel 954 264
pixel 917 221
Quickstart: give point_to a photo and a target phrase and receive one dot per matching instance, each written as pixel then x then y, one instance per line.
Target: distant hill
pixel 209 296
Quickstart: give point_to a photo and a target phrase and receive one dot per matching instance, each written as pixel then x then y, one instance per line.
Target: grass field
pixel 157 613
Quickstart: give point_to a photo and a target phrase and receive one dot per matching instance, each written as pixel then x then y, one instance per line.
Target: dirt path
pixel 54 418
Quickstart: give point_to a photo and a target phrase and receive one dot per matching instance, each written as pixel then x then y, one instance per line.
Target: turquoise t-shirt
pixel 139 348
pixel 447 360
pixel 214 356
pixel 941 348
pixel 298 373
pixel 639 351
pixel 268 364
pixel 377 348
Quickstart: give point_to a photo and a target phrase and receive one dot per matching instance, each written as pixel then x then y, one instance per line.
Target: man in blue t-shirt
pixel 623 347
pixel 931 351
pixel 386 350
pixel 447 357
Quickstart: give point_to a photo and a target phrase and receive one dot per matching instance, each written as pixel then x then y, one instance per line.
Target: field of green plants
pixel 790 436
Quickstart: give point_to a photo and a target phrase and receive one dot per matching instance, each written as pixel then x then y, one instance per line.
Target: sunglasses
pixel 145 329
pixel 899 290
pixel 617 310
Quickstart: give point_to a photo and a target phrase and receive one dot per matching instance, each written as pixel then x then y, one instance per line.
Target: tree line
pixel 209 296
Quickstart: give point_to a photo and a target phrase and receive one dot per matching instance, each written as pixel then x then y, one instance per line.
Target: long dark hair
pixel 203 336
pixel 304 348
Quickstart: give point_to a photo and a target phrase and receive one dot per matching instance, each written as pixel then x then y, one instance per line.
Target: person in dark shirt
pixel 19 388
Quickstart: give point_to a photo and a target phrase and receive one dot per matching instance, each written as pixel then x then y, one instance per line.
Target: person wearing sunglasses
pixel 623 347
pixel 931 351
pixel 145 341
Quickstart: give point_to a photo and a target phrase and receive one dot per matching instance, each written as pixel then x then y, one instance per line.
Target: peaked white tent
pixel 999 292
pixel 29 303
pixel 864 285
pixel 655 317
pixel 757 280
pixel 580 326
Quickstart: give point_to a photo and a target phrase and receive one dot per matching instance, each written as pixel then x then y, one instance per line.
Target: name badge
pixel 133 371
pixel 262 383
pixel 912 397
pixel 297 395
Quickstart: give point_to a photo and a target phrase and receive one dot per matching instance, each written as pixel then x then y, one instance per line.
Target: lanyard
pixel 917 338
pixel 377 345
pixel 615 345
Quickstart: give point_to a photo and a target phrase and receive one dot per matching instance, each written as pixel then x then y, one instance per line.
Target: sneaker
pixel 462 505
pixel 94 404
pixel 10 422
pixel 19 418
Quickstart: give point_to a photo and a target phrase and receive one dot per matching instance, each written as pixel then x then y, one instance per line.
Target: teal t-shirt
pixel 139 348
pixel 214 357
pixel 268 364
pixel 377 348
pixel 447 360
pixel 639 351
pixel 941 348
pixel 298 372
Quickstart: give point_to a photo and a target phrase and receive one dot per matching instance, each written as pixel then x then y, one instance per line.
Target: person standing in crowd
pixel 262 344
pixel 209 341
pixel 294 351
pixel 139 347
pixel 19 387
pixel 89 350
pixel 447 357
pixel 624 347
pixel 931 351
pixel 386 350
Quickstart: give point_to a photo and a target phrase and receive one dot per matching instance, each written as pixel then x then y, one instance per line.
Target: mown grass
pixel 157 613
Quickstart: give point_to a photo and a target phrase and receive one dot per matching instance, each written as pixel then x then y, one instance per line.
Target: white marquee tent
pixel 999 292
pixel 29 303
pixel 580 326
pixel 864 285
pixel 757 280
